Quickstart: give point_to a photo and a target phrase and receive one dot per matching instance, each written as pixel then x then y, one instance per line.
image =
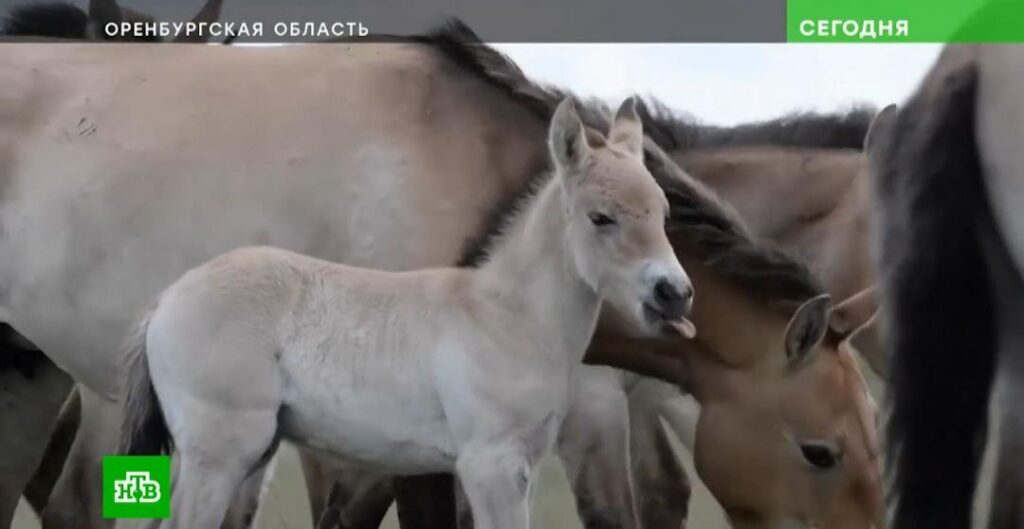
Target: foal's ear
pixel 807 328
pixel 627 129
pixel 566 139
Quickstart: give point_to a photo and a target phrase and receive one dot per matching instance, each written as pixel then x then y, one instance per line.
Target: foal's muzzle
pixel 672 302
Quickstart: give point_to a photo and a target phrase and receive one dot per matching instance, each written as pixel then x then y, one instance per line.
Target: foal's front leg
pixel 497 479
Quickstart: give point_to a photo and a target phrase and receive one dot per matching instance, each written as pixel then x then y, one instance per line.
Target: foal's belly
pixel 392 425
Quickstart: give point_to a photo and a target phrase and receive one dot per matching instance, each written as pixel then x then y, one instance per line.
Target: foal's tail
pixel 938 300
pixel 144 430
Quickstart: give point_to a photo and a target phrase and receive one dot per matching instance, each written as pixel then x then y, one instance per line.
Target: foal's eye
pixel 600 219
pixel 820 455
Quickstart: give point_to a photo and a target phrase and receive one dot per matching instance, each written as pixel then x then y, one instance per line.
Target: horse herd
pixel 412 262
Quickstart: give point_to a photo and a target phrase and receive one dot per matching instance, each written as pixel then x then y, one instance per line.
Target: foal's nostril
pixel 672 302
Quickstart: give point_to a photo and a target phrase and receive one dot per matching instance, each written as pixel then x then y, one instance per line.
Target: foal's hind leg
pixel 216 451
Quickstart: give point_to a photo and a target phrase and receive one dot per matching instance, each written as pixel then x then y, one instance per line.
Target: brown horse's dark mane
pixel 696 211
pixel 673 130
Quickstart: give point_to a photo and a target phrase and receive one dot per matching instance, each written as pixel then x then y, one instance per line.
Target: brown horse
pixel 383 212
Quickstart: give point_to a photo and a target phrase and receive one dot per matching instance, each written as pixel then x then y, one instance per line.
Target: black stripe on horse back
pixel 426 501
pixel 673 130
pixel 937 296
pixel 61 20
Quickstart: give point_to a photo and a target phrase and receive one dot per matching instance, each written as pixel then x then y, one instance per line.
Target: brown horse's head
pixel 786 435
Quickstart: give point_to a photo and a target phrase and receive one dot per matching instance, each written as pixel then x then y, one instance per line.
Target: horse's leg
pixel 37 492
pixel 317 473
pixel 426 501
pixel 358 502
pixel 497 479
pixel 76 500
pixel 659 477
pixel 217 449
pixel 242 511
pixel 344 496
pixel 593 445
pixel 32 390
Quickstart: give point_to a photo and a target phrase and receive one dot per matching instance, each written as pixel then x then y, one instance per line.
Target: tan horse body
pixel 284 185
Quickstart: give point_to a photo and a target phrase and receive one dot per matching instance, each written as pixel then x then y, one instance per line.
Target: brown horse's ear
pixel 853 312
pixel 869 342
pixel 807 328
pixel 209 13
pixel 881 127
pixel 627 130
pixel 566 138
pixel 855 321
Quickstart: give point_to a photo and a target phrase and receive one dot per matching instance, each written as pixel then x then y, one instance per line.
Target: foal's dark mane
pixel 696 212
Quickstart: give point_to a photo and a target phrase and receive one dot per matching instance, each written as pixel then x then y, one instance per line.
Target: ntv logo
pixel 136 487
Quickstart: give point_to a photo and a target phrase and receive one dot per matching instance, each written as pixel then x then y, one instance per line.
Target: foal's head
pixel 616 216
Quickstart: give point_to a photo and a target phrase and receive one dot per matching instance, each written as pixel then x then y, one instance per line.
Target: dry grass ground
pixel 285 507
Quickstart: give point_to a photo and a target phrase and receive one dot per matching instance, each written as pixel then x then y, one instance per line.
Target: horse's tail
pixel 938 300
pixel 144 430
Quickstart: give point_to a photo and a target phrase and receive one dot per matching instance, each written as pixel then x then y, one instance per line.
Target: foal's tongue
pixel 684 327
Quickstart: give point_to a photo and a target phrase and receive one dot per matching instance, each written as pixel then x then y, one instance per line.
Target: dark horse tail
pixel 144 430
pixel 938 301
pixel 61 20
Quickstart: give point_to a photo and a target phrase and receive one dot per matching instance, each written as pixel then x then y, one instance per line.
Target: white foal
pixel 413 372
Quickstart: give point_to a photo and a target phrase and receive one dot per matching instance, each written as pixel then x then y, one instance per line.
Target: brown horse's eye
pixel 600 219
pixel 820 455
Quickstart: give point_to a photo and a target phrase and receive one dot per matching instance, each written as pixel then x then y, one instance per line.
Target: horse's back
pixel 123 166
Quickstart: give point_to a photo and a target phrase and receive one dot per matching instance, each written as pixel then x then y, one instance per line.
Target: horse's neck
pixel 736 331
pixel 533 268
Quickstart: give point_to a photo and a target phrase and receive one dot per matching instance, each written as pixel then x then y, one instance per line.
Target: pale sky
pixel 727 84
